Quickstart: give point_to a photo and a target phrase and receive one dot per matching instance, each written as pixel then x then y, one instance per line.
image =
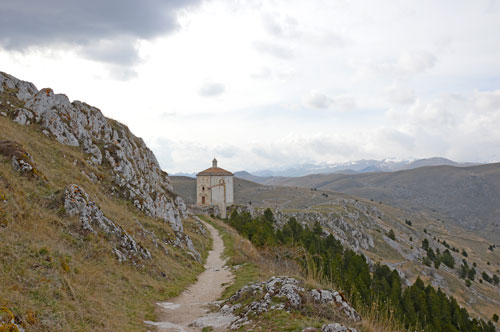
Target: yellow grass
pixel 55 278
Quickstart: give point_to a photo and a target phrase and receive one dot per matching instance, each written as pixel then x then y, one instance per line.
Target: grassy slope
pixel 250 265
pixel 51 277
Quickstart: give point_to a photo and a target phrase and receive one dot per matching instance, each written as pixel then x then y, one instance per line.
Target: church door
pixel 202 199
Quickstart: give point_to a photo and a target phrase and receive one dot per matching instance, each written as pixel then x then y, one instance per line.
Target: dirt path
pixel 189 311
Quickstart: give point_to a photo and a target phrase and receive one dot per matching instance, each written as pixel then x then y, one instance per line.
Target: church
pixel 214 186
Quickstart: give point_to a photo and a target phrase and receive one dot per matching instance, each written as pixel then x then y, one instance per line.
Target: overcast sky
pixel 263 84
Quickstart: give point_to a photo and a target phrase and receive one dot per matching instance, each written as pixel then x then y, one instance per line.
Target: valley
pixel 363 225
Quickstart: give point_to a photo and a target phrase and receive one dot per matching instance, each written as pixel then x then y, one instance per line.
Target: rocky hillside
pixel 464 196
pixel 134 169
pixel 91 234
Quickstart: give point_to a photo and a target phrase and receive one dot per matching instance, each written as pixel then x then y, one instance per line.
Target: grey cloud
pixel 319 100
pixel 121 73
pixel 273 49
pixel 488 101
pixel 120 51
pixel 280 26
pixel 211 89
pixel 226 151
pixel 397 138
pixel 105 30
pixel 400 95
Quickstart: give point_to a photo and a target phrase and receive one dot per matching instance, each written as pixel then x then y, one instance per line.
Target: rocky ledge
pixel 92 219
pixel 284 293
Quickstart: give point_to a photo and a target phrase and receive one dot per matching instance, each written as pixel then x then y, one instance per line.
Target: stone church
pixel 214 186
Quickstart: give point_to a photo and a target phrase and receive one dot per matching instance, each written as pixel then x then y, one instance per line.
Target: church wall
pixel 230 190
pixel 218 190
pixel 210 187
pixel 203 182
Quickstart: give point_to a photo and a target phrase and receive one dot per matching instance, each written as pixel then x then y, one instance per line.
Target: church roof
pixel 215 171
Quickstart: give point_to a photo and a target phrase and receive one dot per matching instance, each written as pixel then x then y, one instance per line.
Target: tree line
pixel 416 306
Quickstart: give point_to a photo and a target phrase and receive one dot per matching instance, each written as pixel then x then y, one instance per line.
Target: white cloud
pixel 211 89
pixel 400 95
pixel 274 49
pixel 288 81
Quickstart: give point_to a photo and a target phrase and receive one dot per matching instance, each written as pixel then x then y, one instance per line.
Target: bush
pixel 391 235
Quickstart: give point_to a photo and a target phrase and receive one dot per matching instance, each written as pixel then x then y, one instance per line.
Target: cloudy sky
pixel 271 83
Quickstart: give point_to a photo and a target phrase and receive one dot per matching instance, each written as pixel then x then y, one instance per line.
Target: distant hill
pixel 359 166
pixel 468 196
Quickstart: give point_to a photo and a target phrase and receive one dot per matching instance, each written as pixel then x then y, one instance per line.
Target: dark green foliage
pixel 495 318
pixel 486 277
pixel 495 279
pixel 464 270
pixel 436 257
pixel 408 222
pixel 417 306
pixel 447 259
pixel 464 253
pixel 471 274
pixel 391 235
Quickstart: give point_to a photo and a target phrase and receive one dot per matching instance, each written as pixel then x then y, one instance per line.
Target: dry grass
pixel 257 265
pixel 53 277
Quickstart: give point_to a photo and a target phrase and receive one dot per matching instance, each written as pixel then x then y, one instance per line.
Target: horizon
pixel 273 85
pixel 298 167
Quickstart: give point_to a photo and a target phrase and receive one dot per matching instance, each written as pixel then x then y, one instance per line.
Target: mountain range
pixel 467 195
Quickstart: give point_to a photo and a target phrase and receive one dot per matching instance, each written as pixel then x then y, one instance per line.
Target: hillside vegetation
pixel 77 251
pixel 465 196
pixel 416 307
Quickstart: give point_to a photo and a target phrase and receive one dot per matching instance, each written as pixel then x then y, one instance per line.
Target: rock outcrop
pixel 21 160
pixel 348 226
pixel 282 293
pixel 135 172
pixel 92 219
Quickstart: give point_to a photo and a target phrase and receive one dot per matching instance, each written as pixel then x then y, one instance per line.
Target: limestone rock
pixel 282 293
pixel 21 160
pixel 92 219
pixel 136 173
pixel 337 327
pixel 349 228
